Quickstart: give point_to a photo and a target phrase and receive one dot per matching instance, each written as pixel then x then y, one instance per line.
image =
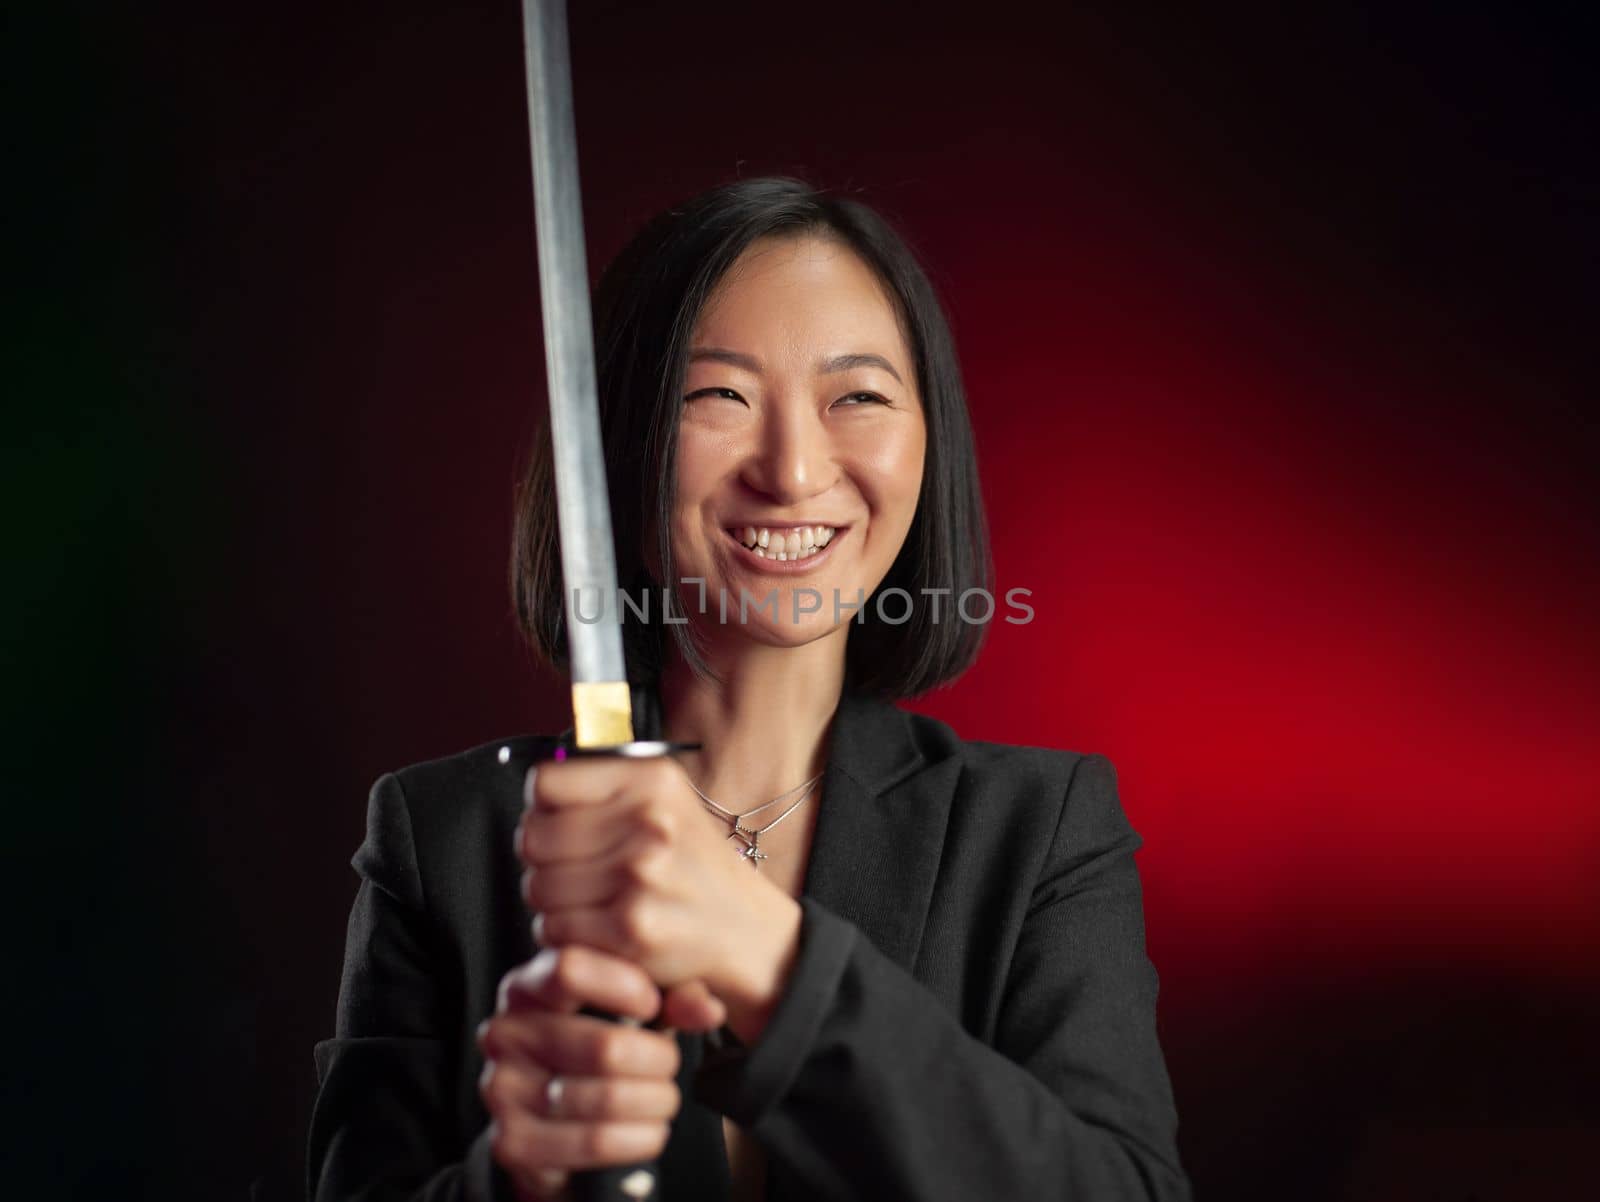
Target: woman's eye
pixel 720 393
pixel 859 398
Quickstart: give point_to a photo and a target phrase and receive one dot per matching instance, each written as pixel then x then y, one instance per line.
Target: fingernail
pixel 538 929
pixel 527 786
pixel 531 973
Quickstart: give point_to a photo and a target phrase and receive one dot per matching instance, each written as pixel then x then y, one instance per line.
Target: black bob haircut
pixel 645 310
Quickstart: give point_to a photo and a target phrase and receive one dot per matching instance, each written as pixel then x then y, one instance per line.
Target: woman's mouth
pixel 785 550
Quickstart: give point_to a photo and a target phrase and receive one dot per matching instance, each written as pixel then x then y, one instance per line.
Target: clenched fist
pixel 620 856
pixel 566 1091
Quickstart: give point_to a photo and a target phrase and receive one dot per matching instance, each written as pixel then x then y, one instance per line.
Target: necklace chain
pixel 751 836
pixel 788 793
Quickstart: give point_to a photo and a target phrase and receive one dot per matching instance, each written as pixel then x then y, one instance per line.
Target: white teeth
pixel 787 543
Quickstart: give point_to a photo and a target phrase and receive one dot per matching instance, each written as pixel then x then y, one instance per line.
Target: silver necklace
pixel 751 836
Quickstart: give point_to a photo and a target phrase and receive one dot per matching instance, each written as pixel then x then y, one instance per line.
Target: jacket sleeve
pixel 865 1085
pixel 383 1128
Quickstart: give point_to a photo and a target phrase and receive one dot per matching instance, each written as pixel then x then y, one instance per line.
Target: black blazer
pixel 971 1016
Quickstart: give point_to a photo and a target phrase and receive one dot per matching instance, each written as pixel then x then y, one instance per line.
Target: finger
pixel 589 782
pixel 692 1006
pixel 525 1144
pixel 507 1085
pixel 573 882
pixel 626 926
pixel 564 980
pixel 640 857
pixel 616 1099
pixel 576 834
pixel 576 1045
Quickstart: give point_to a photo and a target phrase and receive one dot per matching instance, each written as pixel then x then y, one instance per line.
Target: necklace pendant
pixel 749 851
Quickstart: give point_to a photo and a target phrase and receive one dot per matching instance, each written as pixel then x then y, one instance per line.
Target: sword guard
pixel 637 749
pixel 520 756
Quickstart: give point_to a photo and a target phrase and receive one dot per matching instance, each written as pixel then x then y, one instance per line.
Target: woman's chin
pixel 762 630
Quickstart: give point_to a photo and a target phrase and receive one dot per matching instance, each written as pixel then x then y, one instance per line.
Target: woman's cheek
pixel 896 465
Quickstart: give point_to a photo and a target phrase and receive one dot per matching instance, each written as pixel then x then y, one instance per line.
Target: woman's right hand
pixel 618 1089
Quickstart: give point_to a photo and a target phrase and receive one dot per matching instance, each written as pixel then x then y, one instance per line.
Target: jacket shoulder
pixel 1024 764
pixel 1031 784
pixel 453 802
pixel 478 771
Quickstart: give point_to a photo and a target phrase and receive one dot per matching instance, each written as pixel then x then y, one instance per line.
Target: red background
pixel 1271 329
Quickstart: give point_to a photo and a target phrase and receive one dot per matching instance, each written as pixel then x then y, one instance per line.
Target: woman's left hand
pixel 621 856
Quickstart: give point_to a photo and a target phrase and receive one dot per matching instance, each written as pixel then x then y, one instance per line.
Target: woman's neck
pixel 763 725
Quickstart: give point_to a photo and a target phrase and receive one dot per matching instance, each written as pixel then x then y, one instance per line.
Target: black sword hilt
pixel 614 1183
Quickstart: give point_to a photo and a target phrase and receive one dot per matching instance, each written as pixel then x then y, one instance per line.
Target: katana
pixel 602 702
pixel 602 707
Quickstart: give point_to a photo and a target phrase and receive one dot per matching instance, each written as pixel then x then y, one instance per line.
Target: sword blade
pixel 602 704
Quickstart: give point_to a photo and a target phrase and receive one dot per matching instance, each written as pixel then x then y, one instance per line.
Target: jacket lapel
pixel 881 829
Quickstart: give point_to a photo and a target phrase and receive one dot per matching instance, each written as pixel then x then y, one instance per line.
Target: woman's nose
pixel 793 458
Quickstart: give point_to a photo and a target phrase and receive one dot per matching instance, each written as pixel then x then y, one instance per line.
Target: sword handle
pixel 614 1183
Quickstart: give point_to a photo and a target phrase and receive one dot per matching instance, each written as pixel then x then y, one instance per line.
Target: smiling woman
pixel 934 983
pixel 764 316
pixel 785 448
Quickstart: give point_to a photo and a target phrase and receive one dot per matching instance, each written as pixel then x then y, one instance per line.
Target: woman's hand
pixel 617 1086
pixel 620 856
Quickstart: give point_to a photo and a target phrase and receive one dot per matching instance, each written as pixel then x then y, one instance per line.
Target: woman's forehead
pixel 801 292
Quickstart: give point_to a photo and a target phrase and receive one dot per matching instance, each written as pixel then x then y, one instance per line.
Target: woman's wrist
pixel 755 981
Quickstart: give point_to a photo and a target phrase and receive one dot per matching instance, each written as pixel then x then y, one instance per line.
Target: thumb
pixel 691 1006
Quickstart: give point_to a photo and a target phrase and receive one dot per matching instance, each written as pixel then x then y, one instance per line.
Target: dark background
pixel 1277 326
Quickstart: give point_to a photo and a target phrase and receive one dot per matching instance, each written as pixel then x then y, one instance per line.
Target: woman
pixel 877 961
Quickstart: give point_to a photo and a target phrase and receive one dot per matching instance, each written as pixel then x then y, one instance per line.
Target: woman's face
pixel 800 446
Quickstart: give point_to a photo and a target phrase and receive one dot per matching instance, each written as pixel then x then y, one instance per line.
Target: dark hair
pixel 645 309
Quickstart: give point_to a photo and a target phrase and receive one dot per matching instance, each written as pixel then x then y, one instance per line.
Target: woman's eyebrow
pixel 859 359
pixel 838 363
